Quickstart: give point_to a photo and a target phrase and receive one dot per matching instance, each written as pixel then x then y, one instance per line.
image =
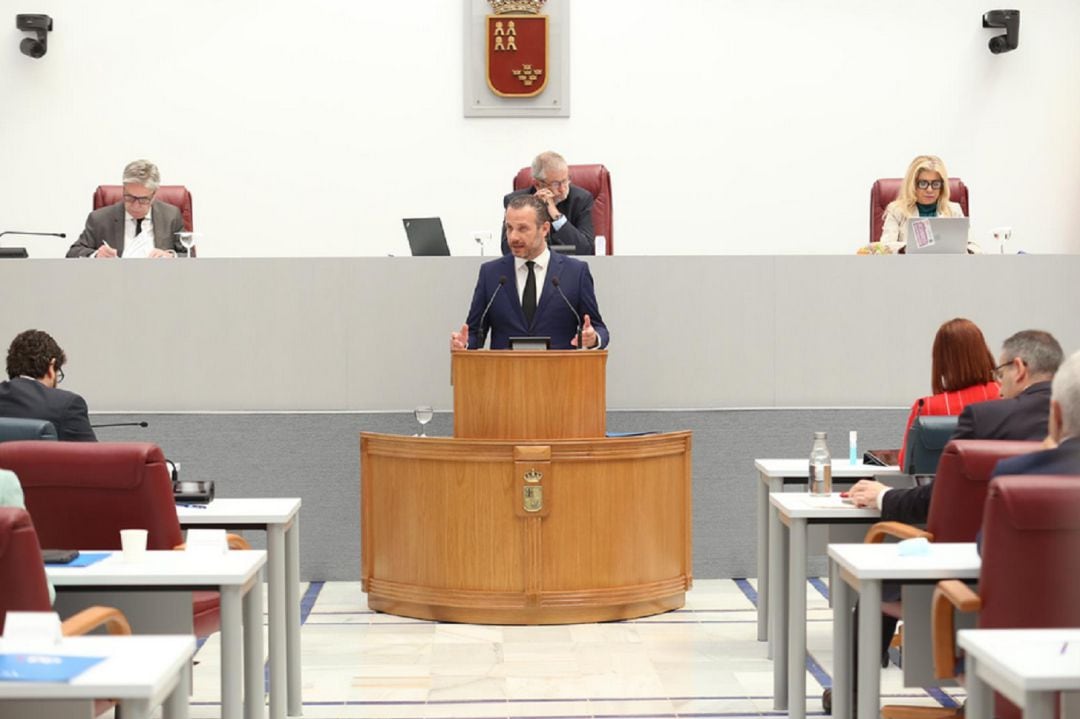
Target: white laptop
pixel 937 235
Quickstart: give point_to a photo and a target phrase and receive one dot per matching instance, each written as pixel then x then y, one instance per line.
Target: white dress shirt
pixel 521 273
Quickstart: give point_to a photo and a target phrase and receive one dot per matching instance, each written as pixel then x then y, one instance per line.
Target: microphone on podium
pixel 121 424
pixel 483 315
pixel 555 284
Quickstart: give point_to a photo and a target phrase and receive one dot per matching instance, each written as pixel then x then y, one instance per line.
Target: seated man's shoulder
pixel 581 193
pixel 517 193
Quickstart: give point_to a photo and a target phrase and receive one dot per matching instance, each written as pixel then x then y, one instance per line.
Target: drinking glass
pixel 187 239
pixel 423 415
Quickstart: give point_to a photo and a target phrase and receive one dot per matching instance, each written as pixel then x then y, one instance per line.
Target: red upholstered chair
pixel 1030 561
pixel 960 486
pixel 23 587
pixel 81 494
pixel 885 190
pixel 597 180
pixel 176 195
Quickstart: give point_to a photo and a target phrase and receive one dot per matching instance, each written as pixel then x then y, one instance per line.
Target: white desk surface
pixel 1030 659
pixel 803 505
pixel 163 568
pixel 257 511
pixel 801 468
pixel 136 667
pixel 883 561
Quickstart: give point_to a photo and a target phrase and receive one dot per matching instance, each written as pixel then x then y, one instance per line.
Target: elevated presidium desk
pixel 529 514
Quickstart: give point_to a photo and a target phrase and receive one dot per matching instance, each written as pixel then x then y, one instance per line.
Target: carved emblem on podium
pixel 533 493
pixel 517 45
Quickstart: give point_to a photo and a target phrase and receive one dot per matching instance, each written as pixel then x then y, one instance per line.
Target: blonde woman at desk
pixel 924 193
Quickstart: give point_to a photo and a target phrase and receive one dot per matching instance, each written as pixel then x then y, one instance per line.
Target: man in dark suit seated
pixel 533 291
pixel 1027 364
pixel 35 366
pixel 137 226
pixel 1064 458
pixel 568 206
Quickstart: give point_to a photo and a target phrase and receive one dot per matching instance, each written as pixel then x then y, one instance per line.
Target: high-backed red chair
pixel 176 195
pixel 960 485
pixel 81 494
pixel 1030 561
pixel 597 180
pixel 885 190
pixel 23 587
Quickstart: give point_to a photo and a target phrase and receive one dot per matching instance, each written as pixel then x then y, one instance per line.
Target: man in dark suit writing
pixel 569 207
pixel 138 226
pixel 532 291
pixel 35 367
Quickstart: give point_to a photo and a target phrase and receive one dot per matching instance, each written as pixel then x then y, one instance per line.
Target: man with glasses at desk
pixel 138 226
pixel 568 206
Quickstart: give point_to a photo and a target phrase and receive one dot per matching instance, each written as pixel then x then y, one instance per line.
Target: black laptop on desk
pixel 426 236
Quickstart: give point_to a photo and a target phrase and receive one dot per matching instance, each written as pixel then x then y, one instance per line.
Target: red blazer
pixel 949 403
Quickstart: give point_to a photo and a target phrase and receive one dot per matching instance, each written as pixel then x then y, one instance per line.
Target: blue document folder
pixel 43 667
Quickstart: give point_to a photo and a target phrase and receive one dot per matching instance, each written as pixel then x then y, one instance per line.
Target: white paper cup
pixel 133 542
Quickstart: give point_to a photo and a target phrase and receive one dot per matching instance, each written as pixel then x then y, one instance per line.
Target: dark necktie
pixel 528 297
pixel 138 226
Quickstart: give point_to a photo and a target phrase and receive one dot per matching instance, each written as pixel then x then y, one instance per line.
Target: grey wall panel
pixel 372 334
pixel 317 456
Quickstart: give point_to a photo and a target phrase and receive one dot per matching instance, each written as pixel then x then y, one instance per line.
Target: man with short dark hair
pixel 35 367
pixel 532 291
pixel 569 207
pixel 138 225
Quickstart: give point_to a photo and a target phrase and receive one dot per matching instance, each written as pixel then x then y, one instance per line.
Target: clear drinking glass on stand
pixel 187 239
pixel 423 415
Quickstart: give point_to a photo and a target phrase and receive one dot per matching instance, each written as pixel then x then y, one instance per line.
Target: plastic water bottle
pixel 820 465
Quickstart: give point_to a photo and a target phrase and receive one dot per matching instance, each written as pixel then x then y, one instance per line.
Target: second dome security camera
pixel 40 25
pixel 1010 21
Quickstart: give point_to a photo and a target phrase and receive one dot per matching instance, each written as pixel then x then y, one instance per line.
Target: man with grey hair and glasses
pixel 568 206
pixel 1064 458
pixel 137 226
pixel 1026 366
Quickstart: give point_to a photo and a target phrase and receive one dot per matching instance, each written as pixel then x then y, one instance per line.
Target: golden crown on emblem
pixel 502 7
pixel 533 476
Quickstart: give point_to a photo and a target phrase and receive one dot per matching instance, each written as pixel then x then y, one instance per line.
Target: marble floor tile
pixel 700 662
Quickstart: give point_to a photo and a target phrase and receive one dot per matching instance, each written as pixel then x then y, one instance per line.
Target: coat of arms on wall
pixel 517 48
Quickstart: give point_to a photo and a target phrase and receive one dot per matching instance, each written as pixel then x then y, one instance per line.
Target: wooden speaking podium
pixel 529 514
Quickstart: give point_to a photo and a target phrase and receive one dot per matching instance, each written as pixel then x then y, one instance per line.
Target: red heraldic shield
pixel 517 54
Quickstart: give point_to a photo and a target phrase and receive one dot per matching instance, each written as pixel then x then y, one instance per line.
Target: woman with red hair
pixel 961 373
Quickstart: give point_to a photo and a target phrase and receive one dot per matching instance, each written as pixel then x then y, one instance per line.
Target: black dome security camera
pixel 1010 21
pixel 40 25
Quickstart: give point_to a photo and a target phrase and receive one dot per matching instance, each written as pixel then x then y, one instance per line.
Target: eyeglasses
pixel 999 370
pixel 136 200
pixel 929 184
pixel 59 375
pixel 557 184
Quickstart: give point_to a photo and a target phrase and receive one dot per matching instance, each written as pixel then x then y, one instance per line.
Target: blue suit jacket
pixel 553 318
pixel 1063 459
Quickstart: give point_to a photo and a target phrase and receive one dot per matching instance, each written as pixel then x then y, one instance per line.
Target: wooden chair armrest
pixel 950 595
pixel 91 618
pixel 879 531
pixel 237 542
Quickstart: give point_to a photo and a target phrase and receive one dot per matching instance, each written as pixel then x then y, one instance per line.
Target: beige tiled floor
pixel 701 661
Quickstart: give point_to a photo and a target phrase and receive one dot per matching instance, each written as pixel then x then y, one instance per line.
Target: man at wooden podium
pixel 532 292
